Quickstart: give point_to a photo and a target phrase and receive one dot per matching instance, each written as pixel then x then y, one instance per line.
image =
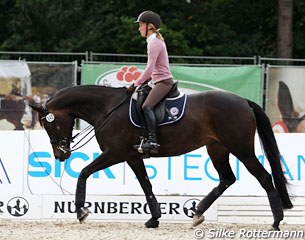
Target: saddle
pixel 169 110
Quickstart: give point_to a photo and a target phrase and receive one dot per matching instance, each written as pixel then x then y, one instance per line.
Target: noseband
pixel 63 143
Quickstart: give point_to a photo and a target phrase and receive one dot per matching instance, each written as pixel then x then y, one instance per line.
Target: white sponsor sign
pixel 233 209
pixel 173 208
pixel 11 162
pixel 188 174
pixel 28 167
pixel 36 186
pixel 18 206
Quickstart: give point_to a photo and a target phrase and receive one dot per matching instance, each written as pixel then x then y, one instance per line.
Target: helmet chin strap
pixel 147 29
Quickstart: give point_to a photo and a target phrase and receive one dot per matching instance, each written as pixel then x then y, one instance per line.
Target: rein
pixel 89 129
pixel 64 142
pixel 109 114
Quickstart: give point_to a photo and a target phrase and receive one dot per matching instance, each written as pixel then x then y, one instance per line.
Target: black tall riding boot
pixel 151 145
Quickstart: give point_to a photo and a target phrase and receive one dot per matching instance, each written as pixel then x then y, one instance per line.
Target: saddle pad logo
pixel 174 111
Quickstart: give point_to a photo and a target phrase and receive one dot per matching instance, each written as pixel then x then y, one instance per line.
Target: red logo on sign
pixel 128 74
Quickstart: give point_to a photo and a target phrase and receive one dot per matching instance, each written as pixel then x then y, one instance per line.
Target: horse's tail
pixel 272 153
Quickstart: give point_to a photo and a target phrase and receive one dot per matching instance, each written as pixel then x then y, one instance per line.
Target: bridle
pixel 63 143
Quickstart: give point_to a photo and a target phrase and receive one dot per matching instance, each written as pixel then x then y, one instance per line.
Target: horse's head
pixel 59 125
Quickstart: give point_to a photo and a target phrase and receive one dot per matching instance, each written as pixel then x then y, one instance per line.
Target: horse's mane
pixel 85 88
pixel 81 93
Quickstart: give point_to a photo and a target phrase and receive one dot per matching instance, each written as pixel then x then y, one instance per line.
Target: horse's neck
pixel 93 107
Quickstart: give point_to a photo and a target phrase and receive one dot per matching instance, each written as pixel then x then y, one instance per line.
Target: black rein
pixel 63 142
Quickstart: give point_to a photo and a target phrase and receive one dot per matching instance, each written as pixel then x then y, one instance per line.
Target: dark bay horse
pixel 224 122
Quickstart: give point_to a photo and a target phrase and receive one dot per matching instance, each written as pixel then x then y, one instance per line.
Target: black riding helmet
pixel 150 17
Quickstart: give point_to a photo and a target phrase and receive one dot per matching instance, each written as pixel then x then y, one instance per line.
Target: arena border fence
pixel 90 56
pixel 281 61
pixel 45 56
pixel 174 59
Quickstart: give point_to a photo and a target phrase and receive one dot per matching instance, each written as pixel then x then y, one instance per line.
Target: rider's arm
pixel 152 53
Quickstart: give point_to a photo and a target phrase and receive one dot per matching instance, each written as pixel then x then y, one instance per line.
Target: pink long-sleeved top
pixel 157 68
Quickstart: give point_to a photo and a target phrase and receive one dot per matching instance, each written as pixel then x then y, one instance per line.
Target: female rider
pixel 157 71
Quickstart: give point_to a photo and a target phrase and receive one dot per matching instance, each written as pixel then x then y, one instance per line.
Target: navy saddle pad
pixel 174 110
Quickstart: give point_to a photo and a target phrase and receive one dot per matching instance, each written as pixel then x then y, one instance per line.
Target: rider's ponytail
pixel 159 35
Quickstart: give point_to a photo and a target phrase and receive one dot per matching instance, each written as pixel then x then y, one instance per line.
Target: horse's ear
pixel 285 102
pixel 36 107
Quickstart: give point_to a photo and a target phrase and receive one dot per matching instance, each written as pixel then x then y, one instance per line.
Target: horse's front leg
pixel 101 162
pixel 139 169
pixel 80 197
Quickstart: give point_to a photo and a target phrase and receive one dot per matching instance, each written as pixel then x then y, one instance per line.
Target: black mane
pixel 85 88
pixel 85 93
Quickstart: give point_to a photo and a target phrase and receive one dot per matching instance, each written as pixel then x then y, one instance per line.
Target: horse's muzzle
pixel 61 155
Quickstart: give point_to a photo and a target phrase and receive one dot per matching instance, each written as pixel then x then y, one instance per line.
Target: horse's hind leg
pixel 139 169
pixel 265 179
pixel 220 159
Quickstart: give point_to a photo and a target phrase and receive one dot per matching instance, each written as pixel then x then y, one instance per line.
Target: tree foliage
pixel 209 28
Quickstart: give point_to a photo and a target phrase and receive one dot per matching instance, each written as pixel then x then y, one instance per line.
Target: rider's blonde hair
pixel 153 28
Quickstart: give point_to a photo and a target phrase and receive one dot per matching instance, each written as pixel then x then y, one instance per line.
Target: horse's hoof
pixel 82 214
pixel 152 223
pixel 197 219
pixel 274 228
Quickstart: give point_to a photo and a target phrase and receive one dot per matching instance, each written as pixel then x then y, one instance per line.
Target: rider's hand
pixel 131 89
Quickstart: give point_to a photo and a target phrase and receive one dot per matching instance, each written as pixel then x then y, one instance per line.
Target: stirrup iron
pixel 140 149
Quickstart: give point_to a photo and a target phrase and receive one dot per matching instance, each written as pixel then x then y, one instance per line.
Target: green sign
pixel 242 80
